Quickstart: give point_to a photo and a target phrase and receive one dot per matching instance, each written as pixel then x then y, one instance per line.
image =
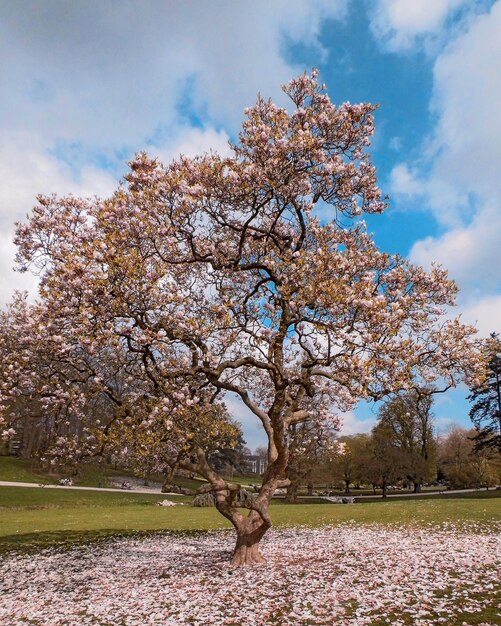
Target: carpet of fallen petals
pixel 349 575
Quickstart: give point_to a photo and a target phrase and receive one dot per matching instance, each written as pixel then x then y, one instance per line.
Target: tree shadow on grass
pixel 28 543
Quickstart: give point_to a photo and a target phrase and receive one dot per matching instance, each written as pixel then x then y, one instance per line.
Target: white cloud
pixel 352 424
pixel 112 73
pixel 484 312
pixel 399 24
pixel 446 201
pixel 404 182
pixel 26 170
pixel 84 85
pixel 466 98
pixel 471 253
pixel 395 144
pixel 458 176
pixel 193 141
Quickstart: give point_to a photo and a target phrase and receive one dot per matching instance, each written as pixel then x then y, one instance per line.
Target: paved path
pixel 423 493
pixel 393 495
pixel 9 483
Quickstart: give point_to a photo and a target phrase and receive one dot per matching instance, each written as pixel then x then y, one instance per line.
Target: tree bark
pixel 384 489
pixel 169 477
pixel 347 487
pixel 417 487
pixel 249 533
pixel 291 495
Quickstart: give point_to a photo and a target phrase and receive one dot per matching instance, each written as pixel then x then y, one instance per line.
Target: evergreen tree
pixel 486 397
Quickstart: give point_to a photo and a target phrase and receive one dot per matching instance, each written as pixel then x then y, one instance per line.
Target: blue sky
pixel 85 84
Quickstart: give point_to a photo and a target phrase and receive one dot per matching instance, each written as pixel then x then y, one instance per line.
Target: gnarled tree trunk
pixel 250 528
pixel 249 533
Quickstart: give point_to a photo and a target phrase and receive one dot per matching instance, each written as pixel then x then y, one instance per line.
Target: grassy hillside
pixel 29 471
pixel 24 470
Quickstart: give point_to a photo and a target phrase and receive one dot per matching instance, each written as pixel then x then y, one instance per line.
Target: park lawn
pixel 253 479
pixel 29 471
pixel 488 615
pixel 33 518
pixel 23 471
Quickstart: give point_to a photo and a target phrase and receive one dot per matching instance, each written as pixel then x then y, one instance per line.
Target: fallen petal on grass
pixel 348 574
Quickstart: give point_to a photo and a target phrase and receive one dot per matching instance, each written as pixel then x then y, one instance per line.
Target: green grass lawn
pixel 29 471
pixel 37 517
pixel 32 517
pixel 23 471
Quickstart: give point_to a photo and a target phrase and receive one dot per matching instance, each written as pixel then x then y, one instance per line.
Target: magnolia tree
pixel 43 378
pixel 218 275
pixel 148 446
pixel 88 401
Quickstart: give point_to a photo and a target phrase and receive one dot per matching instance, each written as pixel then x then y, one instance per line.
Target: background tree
pixel 231 460
pixel 463 465
pixel 261 452
pixel 144 446
pixel 352 465
pixel 216 275
pixel 486 397
pixel 310 445
pixel 408 422
pixel 387 463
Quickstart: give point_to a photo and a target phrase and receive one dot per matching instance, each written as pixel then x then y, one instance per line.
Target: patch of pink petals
pixel 350 575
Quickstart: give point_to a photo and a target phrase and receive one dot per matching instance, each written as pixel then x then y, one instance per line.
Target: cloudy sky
pixel 86 83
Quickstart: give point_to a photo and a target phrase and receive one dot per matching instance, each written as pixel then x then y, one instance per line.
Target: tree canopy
pixel 406 422
pixel 249 274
